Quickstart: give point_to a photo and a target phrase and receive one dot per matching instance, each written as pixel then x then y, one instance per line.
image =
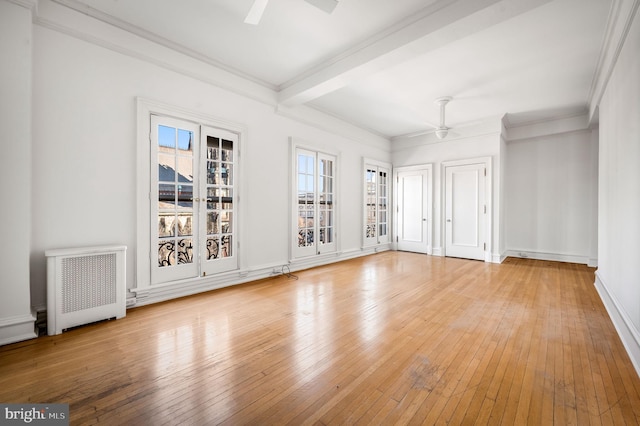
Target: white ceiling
pixel 380 64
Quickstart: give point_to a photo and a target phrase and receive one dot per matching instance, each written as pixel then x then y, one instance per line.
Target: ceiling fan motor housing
pixel 441 133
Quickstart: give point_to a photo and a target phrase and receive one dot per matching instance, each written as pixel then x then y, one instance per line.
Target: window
pixel 315 214
pixel 376 203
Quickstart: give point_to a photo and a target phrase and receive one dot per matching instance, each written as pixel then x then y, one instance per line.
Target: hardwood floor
pixel 394 338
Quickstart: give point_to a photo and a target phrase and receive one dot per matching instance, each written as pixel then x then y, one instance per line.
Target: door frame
pixel 142 263
pixel 428 168
pixel 295 254
pixel 488 200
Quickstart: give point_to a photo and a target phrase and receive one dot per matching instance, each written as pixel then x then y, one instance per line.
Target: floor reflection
pixel 174 349
pixel 371 315
pixel 313 326
pixel 199 351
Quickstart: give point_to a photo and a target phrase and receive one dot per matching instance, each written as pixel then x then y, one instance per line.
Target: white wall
pixel 479 141
pixel 550 200
pixel 84 144
pixel 16 320
pixel 544 185
pixel 504 159
pixel 618 275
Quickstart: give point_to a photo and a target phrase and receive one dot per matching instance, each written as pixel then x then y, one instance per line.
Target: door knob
pixel 448 220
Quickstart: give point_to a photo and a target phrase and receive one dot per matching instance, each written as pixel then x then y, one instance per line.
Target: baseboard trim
pixel 554 257
pixel 18 328
pixel 160 293
pixel 628 333
pixel 488 256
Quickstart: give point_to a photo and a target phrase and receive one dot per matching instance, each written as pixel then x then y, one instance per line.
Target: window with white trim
pixel 315 208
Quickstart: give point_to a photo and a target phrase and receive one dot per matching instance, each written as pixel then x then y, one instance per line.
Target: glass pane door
pixel 174 214
pixel 383 198
pixel 376 205
pixel 306 184
pixel 325 205
pixel 219 210
pixel 371 195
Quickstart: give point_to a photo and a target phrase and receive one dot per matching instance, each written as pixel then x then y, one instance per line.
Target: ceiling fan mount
pixel 442 130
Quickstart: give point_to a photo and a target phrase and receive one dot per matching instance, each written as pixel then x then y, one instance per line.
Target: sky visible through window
pixel 167 138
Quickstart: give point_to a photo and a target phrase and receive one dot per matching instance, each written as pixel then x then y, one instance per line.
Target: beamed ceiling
pixel 380 64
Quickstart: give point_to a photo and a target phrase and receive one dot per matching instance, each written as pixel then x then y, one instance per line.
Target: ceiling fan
pixel 442 130
pixel 257 9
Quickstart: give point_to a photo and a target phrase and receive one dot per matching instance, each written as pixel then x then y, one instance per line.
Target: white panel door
pixel 414 217
pixel 464 211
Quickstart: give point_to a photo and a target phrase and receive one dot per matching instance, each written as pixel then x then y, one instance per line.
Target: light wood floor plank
pixel 393 338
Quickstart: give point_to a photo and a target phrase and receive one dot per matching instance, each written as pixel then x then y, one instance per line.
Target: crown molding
pixel 541 128
pixel 155 38
pixel 331 123
pixel 32 5
pixel 490 127
pixel 551 117
pixel 57 17
pixel 619 22
pixel 367 129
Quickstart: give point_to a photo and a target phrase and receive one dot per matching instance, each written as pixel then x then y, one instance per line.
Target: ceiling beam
pixel 324 5
pixel 437 25
pixel 255 13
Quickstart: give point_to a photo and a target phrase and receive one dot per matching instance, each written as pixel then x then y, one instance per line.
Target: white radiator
pixel 85 285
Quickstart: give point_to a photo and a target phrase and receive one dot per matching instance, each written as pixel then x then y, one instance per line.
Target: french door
pixel 376 204
pixel 315 213
pixel 193 208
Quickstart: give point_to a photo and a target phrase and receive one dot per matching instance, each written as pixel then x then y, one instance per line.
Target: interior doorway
pixel 467 193
pixel 414 221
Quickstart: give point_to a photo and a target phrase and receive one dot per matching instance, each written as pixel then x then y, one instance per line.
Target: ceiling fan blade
pixel 325 5
pixel 256 11
pixel 450 134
